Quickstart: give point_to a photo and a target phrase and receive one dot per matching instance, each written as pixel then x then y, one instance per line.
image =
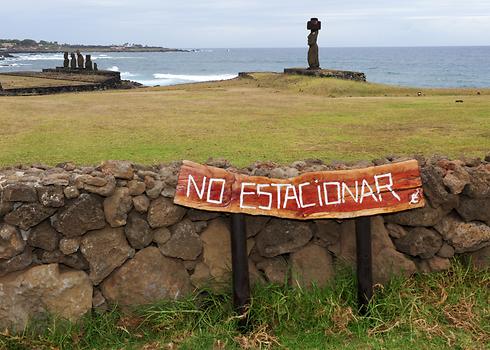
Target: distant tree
pixel 28 42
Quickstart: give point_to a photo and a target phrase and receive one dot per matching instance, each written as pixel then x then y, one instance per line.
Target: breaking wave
pixel 172 79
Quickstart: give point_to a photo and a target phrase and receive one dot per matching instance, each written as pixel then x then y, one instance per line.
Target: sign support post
pixel 364 263
pixel 239 264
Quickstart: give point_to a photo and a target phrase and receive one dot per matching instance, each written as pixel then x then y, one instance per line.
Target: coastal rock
pixel 19 192
pixel 472 209
pixel 283 236
pixel 163 212
pixel 119 168
pixel 28 215
pixel 11 242
pixel 43 236
pixel 311 265
pixel 117 207
pixel 43 289
pixel 105 250
pixel 51 196
pixel 184 242
pixel 82 215
pixel 420 242
pixel 138 232
pixel 147 278
pixel 464 236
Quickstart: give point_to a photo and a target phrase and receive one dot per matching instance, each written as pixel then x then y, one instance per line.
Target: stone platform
pixel 327 73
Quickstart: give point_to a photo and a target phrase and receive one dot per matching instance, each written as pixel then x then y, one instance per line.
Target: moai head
pixel 314 25
pixel 65 55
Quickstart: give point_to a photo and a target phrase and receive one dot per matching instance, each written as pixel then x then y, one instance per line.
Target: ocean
pixel 405 66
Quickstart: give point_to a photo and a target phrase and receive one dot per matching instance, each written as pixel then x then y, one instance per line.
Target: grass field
pixel 271 117
pixel 16 82
pixel 449 310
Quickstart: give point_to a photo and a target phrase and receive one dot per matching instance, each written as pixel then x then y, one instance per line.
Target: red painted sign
pixel 315 195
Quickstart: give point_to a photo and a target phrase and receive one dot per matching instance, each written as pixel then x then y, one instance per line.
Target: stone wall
pixel 75 238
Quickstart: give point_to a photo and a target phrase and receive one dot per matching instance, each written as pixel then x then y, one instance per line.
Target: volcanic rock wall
pixel 75 238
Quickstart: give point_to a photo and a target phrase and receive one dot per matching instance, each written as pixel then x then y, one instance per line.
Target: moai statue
pixel 73 62
pixel 88 62
pixel 314 25
pixel 95 67
pixel 66 62
pixel 80 60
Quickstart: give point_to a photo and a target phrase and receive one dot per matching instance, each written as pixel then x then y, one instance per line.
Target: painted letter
pixel 339 199
pixel 388 186
pixel 243 193
pixel 346 188
pixel 259 193
pixel 303 205
pixel 367 194
pixel 288 197
pixel 199 194
pixel 223 182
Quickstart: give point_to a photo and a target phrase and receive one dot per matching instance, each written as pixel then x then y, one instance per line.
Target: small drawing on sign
pixel 415 197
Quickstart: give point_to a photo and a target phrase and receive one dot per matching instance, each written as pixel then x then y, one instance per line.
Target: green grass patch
pixel 449 310
pixel 271 117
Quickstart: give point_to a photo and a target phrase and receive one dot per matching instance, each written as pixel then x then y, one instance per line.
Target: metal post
pixel 239 264
pixel 364 263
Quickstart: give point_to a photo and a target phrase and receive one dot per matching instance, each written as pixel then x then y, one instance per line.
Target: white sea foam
pixel 114 69
pixel 39 57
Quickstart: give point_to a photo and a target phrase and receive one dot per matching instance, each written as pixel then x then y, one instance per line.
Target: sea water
pixel 406 66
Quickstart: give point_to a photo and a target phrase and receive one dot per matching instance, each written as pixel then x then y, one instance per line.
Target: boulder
pixel 43 236
pixel 438 264
pixel 154 191
pixel 141 203
pixel 28 215
pixel 396 231
pixel 201 215
pixel 184 242
pixel 479 186
pixel 75 261
pixel 70 245
pixel 426 216
pixel 434 189
pixel 446 251
pixel 217 249
pixel 255 224
pixel 480 259
pixel 147 278
pixel 464 236
pixel 163 212
pixel 328 232
pixel 161 235
pixel 311 265
pixel 71 192
pixel 117 207
pixel 136 187
pixel 83 214
pixel 5 207
pixel 19 192
pixel 11 242
pixel 420 242
pixel 472 209
pixel 16 263
pixel 51 196
pixel 283 236
pixel 119 168
pixel 103 186
pixel 31 294
pixel 276 270
pixel 105 250
pixel 138 232
pixel 455 180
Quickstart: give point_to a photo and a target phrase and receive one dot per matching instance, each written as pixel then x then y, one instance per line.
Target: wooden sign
pixel 315 195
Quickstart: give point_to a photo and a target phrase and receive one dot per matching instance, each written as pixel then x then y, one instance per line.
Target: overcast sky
pixel 248 23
